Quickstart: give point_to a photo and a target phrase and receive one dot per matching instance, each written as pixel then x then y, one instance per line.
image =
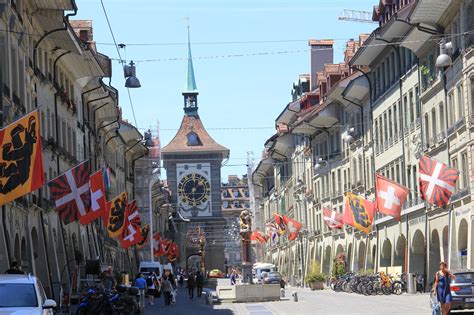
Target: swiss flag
pixel 293 227
pixel 97 207
pixel 158 250
pixel 437 181
pixel 390 196
pixel 333 219
pixel 131 233
pixel 259 237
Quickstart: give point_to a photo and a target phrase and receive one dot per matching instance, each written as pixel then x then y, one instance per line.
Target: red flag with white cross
pixel 71 194
pixel 293 227
pixel 158 250
pixel 390 196
pixel 131 231
pixel 97 191
pixel 332 218
pixel 437 181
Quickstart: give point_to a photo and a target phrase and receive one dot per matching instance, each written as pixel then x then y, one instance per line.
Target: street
pixel 310 302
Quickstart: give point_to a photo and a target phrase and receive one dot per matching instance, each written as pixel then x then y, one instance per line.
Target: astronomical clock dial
pixel 194 190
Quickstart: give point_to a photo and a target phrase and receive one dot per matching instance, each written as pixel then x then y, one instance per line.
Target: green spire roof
pixel 190 80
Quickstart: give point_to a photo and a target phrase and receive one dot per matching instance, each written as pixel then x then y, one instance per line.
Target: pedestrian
pixel 14 269
pixel 233 278
pixel 181 280
pixel 108 280
pixel 166 287
pixel 442 287
pixel 191 285
pixel 152 284
pixel 140 283
pixel 199 283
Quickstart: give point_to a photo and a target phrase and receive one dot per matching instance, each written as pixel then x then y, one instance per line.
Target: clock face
pixel 194 189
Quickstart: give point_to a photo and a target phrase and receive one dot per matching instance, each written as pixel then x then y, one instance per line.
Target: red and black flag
pixel 173 252
pixel 71 194
pixel 144 234
pixel 358 212
pixel 21 162
pixel 280 223
pixel 437 181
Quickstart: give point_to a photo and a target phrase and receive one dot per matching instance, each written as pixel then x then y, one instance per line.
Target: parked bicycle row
pixel 96 300
pixel 373 284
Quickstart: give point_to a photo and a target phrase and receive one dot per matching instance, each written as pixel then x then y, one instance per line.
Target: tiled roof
pixel 321 42
pixel 179 144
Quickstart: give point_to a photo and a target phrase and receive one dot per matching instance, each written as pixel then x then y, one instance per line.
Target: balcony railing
pixel 460 194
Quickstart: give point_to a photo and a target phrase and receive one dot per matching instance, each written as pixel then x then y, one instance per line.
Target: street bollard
pixel 209 298
pixel 295 296
pixel 282 292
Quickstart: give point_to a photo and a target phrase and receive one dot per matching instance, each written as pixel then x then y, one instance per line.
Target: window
pixel 442 123
pixel 427 130
pixel 464 170
pixel 455 166
pixel 412 107
pixel 395 121
pixel 339 181
pixel 460 102
pixel 236 204
pixel 376 134
pixel 450 109
pixel 385 124
pixel 193 139
pixel 397 167
pixel 417 101
pixel 390 130
pixel 415 182
pixel 433 123
pixel 405 112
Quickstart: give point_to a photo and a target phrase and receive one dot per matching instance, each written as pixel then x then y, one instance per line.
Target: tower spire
pixel 190 93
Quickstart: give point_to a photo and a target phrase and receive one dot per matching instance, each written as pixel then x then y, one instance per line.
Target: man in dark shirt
pixel 14 269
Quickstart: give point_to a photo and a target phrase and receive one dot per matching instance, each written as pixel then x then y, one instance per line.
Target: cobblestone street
pixel 320 302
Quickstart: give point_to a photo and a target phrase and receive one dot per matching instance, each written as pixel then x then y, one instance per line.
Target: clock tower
pixel 193 161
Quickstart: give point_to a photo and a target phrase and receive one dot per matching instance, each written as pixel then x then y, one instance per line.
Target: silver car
pixel 462 290
pixel 23 294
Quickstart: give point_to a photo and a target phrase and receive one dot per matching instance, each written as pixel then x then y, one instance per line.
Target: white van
pixel 147 267
pixel 259 270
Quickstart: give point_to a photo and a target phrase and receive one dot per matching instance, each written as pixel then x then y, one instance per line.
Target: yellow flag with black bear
pixel 117 208
pixel 21 162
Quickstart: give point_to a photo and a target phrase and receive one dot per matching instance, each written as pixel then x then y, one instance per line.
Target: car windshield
pixel 17 295
pixel 274 274
pixel 467 277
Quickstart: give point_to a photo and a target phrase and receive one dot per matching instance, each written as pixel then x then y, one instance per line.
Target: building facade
pixel 378 112
pixel 60 74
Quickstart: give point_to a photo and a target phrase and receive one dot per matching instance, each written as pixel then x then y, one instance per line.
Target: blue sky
pixel 240 92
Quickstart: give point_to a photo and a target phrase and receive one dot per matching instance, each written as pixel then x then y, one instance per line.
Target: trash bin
pixel 411 283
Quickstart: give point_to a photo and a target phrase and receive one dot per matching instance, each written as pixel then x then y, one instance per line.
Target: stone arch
pixel 25 257
pixel 349 257
pixel 435 254
pixel 16 249
pixel 386 254
pixel 339 249
pixel 327 260
pixel 417 253
pixel 400 249
pixel 319 252
pixel 374 256
pixel 35 243
pixel 361 256
pixel 462 243
pixel 39 261
pixel 445 243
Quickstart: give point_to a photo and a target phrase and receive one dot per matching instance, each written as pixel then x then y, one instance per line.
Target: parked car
pixel 273 277
pixel 462 290
pixel 216 273
pixel 23 294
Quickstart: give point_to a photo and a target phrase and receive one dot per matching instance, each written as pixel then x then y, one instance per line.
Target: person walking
pixel 442 289
pixel 140 283
pixel 153 286
pixel 191 285
pixel 166 287
pixel 14 269
pixel 199 283
pixel 108 280
pixel 233 278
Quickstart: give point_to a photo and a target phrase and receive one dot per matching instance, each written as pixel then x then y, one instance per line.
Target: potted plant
pixel 315 279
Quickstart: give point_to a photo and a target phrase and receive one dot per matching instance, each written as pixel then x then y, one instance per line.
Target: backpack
pixel 149 281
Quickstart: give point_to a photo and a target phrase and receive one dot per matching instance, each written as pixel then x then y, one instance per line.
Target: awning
pixel 326 117
pixel 58 5
pixel 62 39
pixel 129 133
pixel 263 169
pixel 282 147
pixel 429 11
pixel 416 40
pixel 357 89
pixel 335 94
pixel 85 65
pixel 288 115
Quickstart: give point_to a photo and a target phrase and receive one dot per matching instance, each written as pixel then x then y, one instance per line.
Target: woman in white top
pixel 153 288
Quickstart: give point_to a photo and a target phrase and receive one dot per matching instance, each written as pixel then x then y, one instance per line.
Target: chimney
pixel 321 53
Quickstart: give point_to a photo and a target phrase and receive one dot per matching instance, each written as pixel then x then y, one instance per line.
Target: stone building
pixel 60 74
pixel 377 113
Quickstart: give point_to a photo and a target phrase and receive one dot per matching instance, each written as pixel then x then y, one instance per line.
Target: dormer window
pixel 193 139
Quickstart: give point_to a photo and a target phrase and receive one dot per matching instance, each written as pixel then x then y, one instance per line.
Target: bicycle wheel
pixel 387 290
pixel 397 288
